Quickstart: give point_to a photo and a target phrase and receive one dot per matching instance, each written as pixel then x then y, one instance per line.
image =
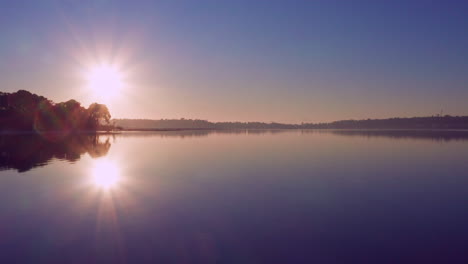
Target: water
pixel 235 197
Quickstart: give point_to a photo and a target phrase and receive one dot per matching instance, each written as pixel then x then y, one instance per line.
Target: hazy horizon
pixel 280 61
pixel 273 121
pixel 203 131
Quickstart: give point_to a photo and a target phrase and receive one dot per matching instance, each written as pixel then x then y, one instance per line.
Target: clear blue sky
pixel 287 61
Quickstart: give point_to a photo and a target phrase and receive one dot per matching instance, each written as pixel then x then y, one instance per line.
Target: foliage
pixel 23 110
pixel 431 122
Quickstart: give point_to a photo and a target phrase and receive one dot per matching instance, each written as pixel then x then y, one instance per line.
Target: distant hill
pixel 194 124
pixel 432 122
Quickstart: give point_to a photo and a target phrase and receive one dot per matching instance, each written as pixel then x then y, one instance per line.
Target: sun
pixel 105 174
pixel 105 81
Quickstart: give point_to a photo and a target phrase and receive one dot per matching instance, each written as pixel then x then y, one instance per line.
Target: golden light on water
pixel 105 81
pixel 105 174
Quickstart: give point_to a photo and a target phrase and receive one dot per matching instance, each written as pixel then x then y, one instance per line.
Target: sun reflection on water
pixel 105 174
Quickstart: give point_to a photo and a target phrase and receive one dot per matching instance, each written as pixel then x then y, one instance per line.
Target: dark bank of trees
pixel 432 122
pixel 25 111
pixel 195 124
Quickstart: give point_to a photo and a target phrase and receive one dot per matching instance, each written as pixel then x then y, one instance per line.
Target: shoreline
pixel 226 129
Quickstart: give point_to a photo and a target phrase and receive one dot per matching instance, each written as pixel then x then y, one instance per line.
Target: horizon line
pixel 287 123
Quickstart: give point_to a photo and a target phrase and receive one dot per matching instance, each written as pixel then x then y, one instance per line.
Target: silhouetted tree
pixel 97 113
pixel 26 111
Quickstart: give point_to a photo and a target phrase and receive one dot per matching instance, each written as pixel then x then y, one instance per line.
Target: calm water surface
pixel 235 197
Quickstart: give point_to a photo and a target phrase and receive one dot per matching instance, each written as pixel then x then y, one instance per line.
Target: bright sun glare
pixel 105 81
pixel 105 174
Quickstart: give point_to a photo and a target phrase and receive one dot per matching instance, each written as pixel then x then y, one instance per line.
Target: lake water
pixel 235 197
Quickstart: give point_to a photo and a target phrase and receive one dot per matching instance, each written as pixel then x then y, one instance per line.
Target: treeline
pixel 194 124
pixel 432 122
pixel 25 111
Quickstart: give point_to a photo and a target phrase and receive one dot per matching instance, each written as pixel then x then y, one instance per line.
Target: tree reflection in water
pixel 26 151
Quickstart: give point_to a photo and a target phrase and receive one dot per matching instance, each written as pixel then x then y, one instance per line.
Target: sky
pixel 244 60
